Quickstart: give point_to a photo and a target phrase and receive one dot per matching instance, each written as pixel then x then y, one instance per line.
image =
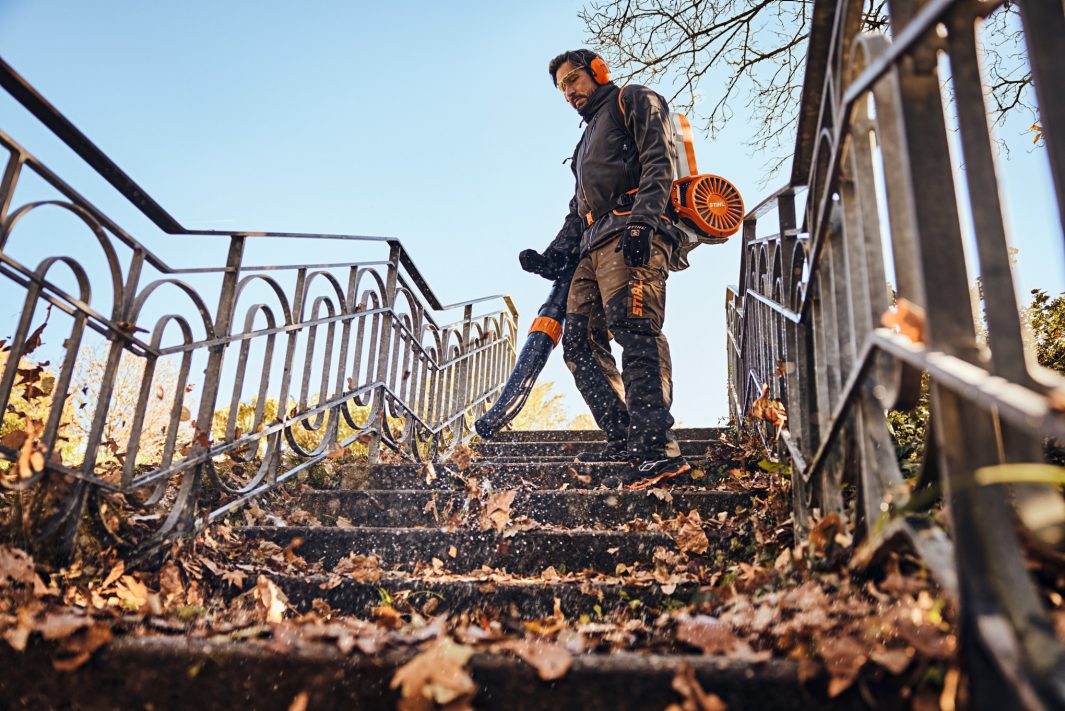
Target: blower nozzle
pixel 544 335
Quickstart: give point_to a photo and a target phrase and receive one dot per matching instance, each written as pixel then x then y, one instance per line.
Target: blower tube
pixel 544 335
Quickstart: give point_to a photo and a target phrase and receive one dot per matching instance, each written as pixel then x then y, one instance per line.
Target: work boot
pixel 646 472
pixel 613 452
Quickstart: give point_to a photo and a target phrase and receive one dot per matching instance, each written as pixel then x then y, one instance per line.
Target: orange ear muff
pixel 600 71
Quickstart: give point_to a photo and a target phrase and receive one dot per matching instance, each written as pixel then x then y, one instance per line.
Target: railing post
pixel 463 385
pixel 223 324
pixel 383 349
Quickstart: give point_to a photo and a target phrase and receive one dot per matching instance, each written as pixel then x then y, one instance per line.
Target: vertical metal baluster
pixel 384 345
pixel 223 326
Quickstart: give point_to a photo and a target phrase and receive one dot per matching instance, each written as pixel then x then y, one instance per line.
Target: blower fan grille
pixel 709 203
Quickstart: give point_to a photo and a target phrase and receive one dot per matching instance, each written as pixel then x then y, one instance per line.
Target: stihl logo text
pixel 637 297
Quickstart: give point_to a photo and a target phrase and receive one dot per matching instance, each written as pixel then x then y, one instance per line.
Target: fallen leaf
pixel 707 633
pixel 689 535
pixel 435 675
pixel 60 625
pixel 906 318
pixel 82 646
pixel 844 656
pixel 661 495
pixel 771 411
pixel 270 601
pixel 117 572
pixel 460 457
pixel 551 661
pixel 234 578
pixel 362 568
pixel 694 698
pixel 16 566
pixel 299 703
pixel 894 660
pixel 497 511
pixel 132 594
pixel 130 327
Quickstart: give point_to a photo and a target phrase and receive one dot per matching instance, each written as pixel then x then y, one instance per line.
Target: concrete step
pixel 165 673
pixel 527 475
pixel 525 599
pixel 570 449
pixel 523 553
pixel 595 435
pixel 572 508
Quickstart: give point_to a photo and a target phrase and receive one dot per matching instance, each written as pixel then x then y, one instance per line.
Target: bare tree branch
pixel 713 53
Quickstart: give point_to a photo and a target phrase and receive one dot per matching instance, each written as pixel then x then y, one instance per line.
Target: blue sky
pixel 432 122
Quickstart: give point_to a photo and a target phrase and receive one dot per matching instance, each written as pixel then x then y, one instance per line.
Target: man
pixel 624 166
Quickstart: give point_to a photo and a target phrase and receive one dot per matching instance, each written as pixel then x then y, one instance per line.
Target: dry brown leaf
pixel 234 578
pixel 694 698
pixel 436 675
pixel 16 566
pixel 116 572
pixel 844 656
pixel 131 593
pixel 707 633
pixel 551 661
pixel 894 660
pixel 81 647
pixel 271 603
pixel 768 410
pixel 497 511
pixel 60 625
pixel 689 535
pixel 363 568
pixel 461 457
pixel 30 456
pixel 906 318
pixel 171 586
pixel 299 703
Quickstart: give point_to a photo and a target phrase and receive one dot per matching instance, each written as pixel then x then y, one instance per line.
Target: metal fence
pixel 805 323
pixel 211 385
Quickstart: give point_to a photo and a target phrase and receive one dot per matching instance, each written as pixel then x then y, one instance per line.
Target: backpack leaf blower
pixel 706 208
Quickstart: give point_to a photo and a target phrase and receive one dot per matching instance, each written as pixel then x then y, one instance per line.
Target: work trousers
pixel 609 299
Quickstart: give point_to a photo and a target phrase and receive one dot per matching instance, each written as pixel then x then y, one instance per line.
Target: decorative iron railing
pixel 207 386
pixel 805 324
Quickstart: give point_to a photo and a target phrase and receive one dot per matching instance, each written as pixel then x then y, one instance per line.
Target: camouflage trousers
pixel 608 299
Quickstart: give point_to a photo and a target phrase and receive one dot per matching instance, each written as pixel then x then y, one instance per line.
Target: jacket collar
pixel 597 100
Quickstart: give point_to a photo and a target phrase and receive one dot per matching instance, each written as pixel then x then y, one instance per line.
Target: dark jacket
pixel 627 144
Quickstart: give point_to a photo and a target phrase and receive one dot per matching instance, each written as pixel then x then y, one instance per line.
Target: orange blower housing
pixel 709 204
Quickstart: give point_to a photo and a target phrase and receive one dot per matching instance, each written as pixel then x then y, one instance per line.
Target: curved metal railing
pixel 805 325
pixel 208 386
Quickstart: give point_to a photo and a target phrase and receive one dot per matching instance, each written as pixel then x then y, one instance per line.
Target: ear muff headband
pixel 599 70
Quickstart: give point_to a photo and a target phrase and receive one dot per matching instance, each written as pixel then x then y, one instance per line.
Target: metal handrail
pixel 386 372
pixel 803 322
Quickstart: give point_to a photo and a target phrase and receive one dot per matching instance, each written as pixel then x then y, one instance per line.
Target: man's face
pixel 578 84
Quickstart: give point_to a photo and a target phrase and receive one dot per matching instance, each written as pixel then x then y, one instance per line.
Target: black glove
pixel 635 244
pixel 549 265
